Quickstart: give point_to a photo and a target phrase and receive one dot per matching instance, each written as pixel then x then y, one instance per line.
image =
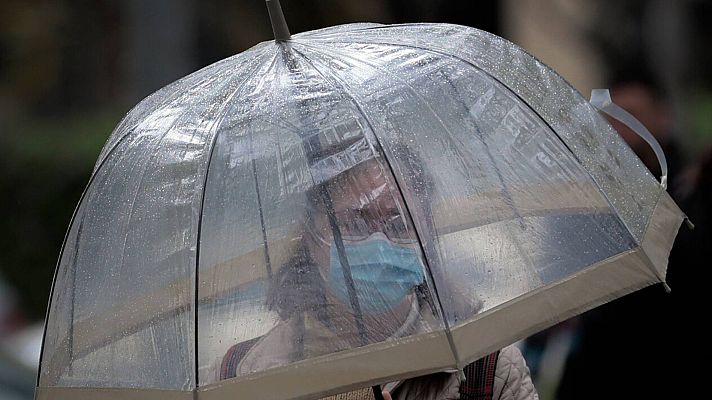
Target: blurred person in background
pixel 625 349
pixel 642 97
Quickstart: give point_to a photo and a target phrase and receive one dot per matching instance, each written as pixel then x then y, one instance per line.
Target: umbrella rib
pixel 92 178
pixel 64 243
pixel 338 241
pixel 216 126
pixel 263 228
pixel 268 262
pixel 336 82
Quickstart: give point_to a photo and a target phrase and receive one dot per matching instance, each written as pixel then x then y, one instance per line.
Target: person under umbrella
pixel 361 265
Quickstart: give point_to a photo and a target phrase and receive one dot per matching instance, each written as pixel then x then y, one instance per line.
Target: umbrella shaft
pixel 279 24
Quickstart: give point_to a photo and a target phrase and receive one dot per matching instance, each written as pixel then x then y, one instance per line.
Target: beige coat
pixel 512 382
pixel 512 378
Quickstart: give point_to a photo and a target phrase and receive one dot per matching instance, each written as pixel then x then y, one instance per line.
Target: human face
pixel 364 202
pixel 363 244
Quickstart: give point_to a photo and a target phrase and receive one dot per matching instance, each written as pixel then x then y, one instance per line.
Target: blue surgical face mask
pixel 383 273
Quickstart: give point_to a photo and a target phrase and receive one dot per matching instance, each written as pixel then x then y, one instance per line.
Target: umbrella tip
pixel 667 288
pixel 279 24
pixel 689 223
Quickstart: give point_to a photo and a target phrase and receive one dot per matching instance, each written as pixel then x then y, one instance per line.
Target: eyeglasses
pixel 359 224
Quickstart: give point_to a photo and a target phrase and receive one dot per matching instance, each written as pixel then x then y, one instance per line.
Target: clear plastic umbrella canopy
pixel 343 208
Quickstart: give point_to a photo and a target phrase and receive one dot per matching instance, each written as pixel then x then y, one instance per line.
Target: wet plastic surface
pixel 354 185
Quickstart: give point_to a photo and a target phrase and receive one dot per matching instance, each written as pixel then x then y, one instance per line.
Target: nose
pixel 381 209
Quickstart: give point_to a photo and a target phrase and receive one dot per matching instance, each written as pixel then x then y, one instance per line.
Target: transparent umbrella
pixel 343 208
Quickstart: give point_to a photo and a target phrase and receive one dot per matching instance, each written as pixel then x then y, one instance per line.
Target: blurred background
pixel 69 70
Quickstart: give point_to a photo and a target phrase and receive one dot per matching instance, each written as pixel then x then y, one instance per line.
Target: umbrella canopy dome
pixel 352 205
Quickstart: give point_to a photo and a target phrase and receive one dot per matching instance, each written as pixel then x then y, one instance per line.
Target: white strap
pixel 601 99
